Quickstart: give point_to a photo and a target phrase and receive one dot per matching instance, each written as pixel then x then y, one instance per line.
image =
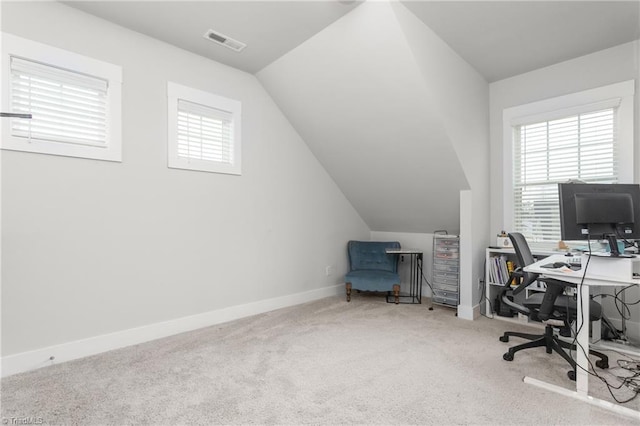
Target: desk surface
pixel 572 276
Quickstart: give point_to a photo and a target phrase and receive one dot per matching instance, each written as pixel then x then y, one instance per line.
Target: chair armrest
pixel 554 289
pixel 527 279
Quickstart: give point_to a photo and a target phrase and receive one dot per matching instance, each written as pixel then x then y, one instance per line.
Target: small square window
pixel 204 131
pixel 74 102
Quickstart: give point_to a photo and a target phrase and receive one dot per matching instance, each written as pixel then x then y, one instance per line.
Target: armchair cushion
pixel 371 255
pixel 372 280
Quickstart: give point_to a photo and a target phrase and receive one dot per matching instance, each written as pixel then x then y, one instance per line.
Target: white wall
pixel 609 66
pixel 400 121
pixel 357 95
pixel 461 97
pixel 91 247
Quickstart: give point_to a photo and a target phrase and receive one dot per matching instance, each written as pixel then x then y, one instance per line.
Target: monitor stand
pixel 613 248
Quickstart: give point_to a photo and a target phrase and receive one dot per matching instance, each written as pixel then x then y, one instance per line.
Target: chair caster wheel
pixel 504 338
pixel 507 357
pixel 602 364
pixel 572 375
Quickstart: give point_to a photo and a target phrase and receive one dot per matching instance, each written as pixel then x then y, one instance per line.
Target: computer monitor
pixel 600 211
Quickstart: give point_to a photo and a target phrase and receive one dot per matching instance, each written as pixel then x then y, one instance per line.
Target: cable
pixel 626 242
pixel 484 295
pixel 622 306
pixel 629 382
pixel 624 380
pixel 426 280
pixel 579 295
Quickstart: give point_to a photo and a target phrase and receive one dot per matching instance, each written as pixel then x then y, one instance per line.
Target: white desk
pixel 596 270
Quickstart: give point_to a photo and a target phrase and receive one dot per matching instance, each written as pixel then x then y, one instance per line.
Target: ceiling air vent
pixel 224 40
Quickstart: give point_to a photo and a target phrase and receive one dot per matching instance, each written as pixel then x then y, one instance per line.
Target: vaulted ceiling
pixel 269 28
pixel 399 135
pixel 506 38
pixel 498 38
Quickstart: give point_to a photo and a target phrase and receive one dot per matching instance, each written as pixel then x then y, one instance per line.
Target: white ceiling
pixel 269 28
pixel 498 38
pixel 506 38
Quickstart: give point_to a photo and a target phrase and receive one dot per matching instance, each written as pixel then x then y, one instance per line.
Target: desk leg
pixel 412 292
pixel 419 272
pixel 582 349
pixel 596 326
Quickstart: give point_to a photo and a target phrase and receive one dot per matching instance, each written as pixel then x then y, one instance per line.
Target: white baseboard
pixel 468 312
pixel 31 360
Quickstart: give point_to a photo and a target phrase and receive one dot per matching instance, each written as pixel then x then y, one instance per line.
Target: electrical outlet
pixel 328 270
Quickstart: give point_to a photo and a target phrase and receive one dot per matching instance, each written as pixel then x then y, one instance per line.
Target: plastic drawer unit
pixel 446 270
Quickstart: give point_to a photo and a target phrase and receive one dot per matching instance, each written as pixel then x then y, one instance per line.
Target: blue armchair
pixel 371 268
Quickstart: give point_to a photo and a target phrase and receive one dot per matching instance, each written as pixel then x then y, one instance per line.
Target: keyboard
pixel 574 260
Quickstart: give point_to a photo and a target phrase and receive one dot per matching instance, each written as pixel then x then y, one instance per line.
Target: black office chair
pixel 553 307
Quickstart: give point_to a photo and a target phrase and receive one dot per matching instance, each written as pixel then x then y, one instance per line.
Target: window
pixel 74 102
pixel 591 143
pixel 204 131
pixel 576 147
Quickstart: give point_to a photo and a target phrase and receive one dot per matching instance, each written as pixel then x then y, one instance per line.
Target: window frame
pixel 176 92
pixel 621 94
pixel 14 46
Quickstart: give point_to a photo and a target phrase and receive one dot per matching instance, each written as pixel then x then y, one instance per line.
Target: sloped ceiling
pixel 356 95
pixel 506 38
pixel 269 28
pixel 499 39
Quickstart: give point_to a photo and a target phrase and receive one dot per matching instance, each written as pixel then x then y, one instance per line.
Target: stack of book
pixel 500 268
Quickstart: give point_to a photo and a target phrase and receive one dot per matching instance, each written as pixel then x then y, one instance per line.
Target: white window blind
pixel 581 146
pixel 204 133
pixel 67 106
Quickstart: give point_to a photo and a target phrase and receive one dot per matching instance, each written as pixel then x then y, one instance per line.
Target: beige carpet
pixel 325 362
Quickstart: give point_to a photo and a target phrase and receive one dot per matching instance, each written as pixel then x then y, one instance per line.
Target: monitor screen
pixel 597 211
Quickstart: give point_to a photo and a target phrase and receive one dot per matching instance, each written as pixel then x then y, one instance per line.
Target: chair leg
pixel 348 286
pixel 541 342
pixel 396 293
pixel 557 347
pixel 603 362
pixel 528 336
pixel 536 341
pixel 552 344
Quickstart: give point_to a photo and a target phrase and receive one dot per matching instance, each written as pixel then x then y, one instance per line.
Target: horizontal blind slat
pixel 580 147
pixel 67 106
pixel 204 133
pixel 52 73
